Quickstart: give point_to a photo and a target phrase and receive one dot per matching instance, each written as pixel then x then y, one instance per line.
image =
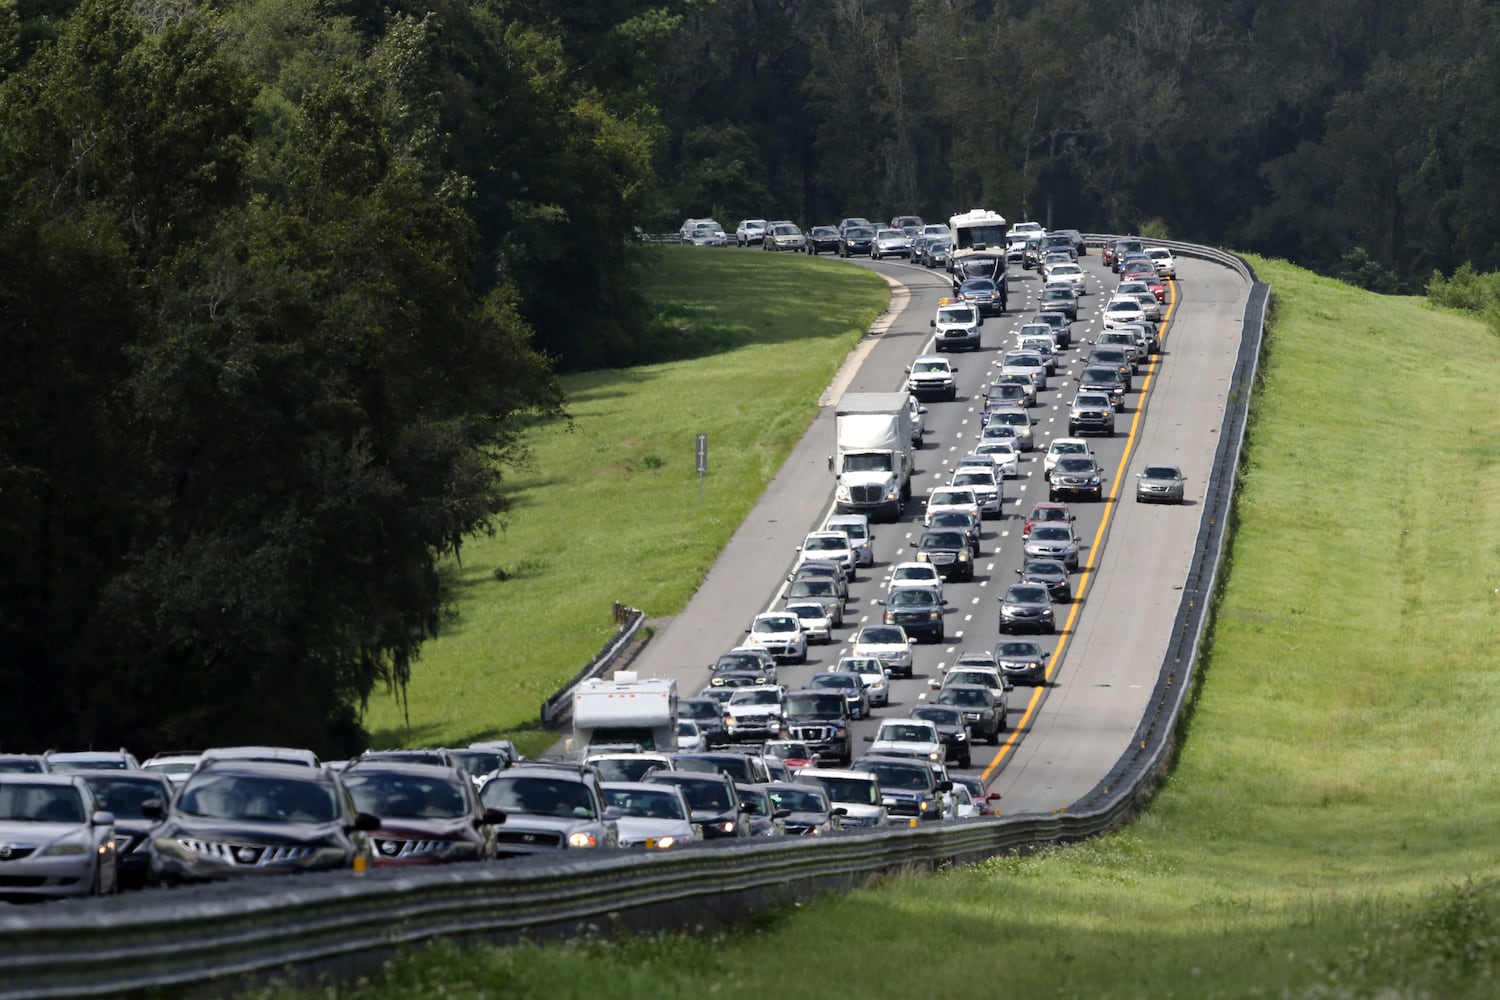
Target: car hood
pixel 416 828
pixel 252 831
pixel 634 829
pixel 905 748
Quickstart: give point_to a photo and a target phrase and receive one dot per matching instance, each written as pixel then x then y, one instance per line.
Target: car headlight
pixel 64 851
pixel 963 557
pixel 582 839
pixel 921 557
pixel 933 756
pixel 727 826
pixel 923 805
pixel 170 847
pixel 662 843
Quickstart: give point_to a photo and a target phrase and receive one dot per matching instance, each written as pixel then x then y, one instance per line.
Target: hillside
pixel 1327 830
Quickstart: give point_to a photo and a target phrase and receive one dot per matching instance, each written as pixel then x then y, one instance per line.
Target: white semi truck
pixel 629 710
pixel 977 231
pixel 873 454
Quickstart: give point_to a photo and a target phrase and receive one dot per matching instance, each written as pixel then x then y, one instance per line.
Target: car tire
pixel 1002 727
pixel 965 762
pixel 994 738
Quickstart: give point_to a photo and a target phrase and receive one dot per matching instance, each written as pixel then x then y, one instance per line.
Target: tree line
pixel 282 281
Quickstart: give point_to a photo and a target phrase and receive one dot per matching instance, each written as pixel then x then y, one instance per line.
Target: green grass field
pixel 1329 829
pixel 610 509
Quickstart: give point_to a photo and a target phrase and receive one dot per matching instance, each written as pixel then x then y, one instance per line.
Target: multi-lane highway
pixel 1108 651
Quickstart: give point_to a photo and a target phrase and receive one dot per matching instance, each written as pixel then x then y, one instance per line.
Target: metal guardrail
pixel 210 937
pixel 560 706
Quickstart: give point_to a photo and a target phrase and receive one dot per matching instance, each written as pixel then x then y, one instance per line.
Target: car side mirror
pixel 365 822
pixel 1010 686
pixel 869 739
pixel 781 814
pixel 992 797
pixel 154 809
pixel 932 322
pixel 103 818
pixel 945 786
pixel 491 817
pixel 921 409
pixel 839 811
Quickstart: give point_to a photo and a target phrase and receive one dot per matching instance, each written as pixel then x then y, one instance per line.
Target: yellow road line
pixel 1083 578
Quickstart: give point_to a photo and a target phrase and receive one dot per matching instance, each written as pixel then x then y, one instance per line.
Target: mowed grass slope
pixel 1330 826
pixel 609 511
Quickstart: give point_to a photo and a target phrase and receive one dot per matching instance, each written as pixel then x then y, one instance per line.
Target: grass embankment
pixel 610 511
pixel 1329 829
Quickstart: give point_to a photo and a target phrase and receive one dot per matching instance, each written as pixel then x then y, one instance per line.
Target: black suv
pixel 948 551
pixel 821 720
pixel 234 818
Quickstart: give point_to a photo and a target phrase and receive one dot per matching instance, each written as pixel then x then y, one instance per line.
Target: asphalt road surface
pixel 1063 736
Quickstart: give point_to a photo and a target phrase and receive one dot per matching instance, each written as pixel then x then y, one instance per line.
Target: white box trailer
pixel 626 710
pixel 873 454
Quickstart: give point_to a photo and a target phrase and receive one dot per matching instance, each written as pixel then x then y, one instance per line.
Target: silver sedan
pixel 1160 484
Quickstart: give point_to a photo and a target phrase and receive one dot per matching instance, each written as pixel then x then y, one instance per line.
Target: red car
pixel 1043 512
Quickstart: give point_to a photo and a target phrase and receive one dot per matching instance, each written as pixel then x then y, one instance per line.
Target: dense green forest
pixel 282 281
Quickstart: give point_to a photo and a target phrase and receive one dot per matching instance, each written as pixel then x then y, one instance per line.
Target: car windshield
pixel 1018 649
pixel 704 793
pixel 539 795
pixel 810 588
pixel 875 635
pixel 1101 402
pixel 756 696
pixel 1044 569
pixel 903 733
pixel 1027 594
pixel 786 230
pixel 40 803
pixel 842 682
pixel 939 716
pixel 1069 448
pixel 405 796
pixel 942 540
pixel 778 624
pixel 1052 533
pixel 814 705
pixel 254 797
pixel 123 796
pixel 948 315
pixel 1160 472
pixel 859 233
pixel 705 711
pixel 1010 418
pixel 899 775
pixel 809 612
pixel 799 799
pixel 924 573
pixel 973 478
pixel 788 750
pixel 977 285
pixel 963 696
pixel 852 791
pixel 626 768
pixel 952 519
pixel 736 661
pixel 914 597
pixel 826 543
pixel 647 803
pixel 1075 465
pixel 930 366
pixel 859 664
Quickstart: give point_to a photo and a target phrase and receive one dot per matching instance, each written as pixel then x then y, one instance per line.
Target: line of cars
pixel 91 822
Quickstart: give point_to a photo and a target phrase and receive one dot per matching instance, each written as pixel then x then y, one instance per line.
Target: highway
pixel 1110 643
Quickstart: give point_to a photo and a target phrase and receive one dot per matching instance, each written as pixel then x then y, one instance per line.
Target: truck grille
pixel 866 494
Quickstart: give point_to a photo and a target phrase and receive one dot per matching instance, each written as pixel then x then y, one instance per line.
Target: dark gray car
pixel 1027 607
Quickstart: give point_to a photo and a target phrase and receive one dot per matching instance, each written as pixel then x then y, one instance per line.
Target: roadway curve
pixel 1111 641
